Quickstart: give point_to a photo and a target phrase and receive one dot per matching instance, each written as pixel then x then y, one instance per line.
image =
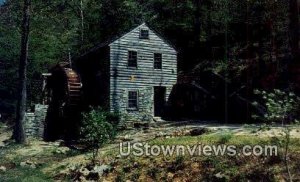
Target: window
pixel 157 61
pixel 132 59
pixel 144 34
pixel 133 100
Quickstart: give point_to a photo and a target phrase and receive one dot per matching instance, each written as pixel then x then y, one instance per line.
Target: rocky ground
pixel 47 161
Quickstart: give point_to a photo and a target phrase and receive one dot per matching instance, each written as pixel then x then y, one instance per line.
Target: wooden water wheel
pixel 64 87
pixel 74 87
pixel 64 93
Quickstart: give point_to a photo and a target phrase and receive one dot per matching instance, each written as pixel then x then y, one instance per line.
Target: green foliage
pixel 97 129
pixel 281 106
pixel 224 138
pixel 56 29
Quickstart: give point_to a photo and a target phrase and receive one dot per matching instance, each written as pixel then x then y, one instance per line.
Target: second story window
pixel 132 59
pixel 144 34
pixel 157 61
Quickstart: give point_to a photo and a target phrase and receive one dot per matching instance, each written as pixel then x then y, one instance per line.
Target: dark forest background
pixel 251 44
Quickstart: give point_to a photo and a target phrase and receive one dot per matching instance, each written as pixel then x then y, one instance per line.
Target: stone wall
pixel 145 112
pixel 145 104
pixel 35 122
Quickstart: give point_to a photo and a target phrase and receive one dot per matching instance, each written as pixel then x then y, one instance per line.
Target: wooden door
pixel 159 100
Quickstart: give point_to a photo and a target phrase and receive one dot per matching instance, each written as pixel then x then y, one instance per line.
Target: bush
pixel 280 106
pixel 224 138
pixel 98 128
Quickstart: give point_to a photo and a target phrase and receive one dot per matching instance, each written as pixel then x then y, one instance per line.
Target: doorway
pixel 159 100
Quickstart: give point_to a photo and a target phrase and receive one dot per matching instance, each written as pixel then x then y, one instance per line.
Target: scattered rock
pixel 100 170
pixel 62 150
pixel 170 175
pixel 125 138
pixel 198 131
pixel 23 164
pixel 82 179
pixel 118 156
pixel 160 134
pixel 72 167
pixel 2 169
pixel 135 164
pixel 28 163
pixel 84 171
pixel 64 173
pixel 55 144
pixel 219 175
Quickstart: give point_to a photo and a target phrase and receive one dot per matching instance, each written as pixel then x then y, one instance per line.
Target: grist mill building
pixel 132 74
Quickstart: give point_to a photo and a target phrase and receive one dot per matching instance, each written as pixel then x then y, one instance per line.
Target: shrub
pixel 224 138
pixel 280 106
pixel 98 128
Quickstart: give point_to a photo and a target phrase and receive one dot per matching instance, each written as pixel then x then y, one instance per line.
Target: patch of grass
pixel 212 139
pixel 72 153
pixel 25 175
pixel 252 128
pixel 208 168
pixel 264 127
pixel 2 125
pixel 225 138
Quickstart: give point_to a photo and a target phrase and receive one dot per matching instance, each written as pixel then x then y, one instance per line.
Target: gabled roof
pixel 111 40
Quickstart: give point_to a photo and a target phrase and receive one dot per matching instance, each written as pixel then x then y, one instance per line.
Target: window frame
pixel 142 36
pixel 129 59
pixel 130 99
pixel 155 61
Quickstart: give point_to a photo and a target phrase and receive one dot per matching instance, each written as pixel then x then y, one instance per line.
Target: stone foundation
pixel 35 122
pixel 145 112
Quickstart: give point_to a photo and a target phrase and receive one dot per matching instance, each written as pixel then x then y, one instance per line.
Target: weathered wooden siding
pixel 144 77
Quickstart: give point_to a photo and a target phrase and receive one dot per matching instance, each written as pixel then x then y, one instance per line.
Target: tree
pixel 294 28
pixel 19 133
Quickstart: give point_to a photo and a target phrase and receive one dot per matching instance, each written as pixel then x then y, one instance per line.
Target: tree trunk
pixel 197 23
pixel 294 29
pixel 82 21
pixel 19 133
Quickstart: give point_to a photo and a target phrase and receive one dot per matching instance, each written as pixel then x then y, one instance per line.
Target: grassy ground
pixel 209 168
pixel 37 153
pixel 50 163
